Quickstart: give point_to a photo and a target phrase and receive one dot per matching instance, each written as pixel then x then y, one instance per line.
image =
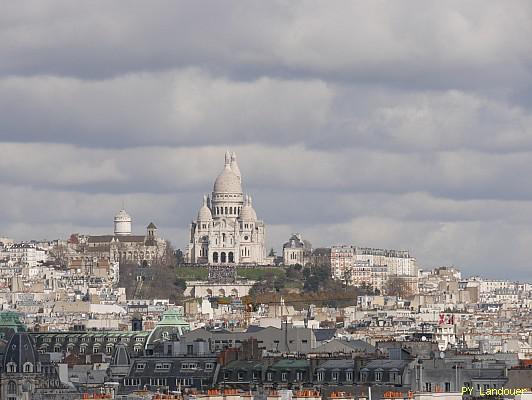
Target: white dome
pixel 247 213
pixel 227 182
pixel 204 213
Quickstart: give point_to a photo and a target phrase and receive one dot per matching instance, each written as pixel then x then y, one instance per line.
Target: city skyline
pixel 415 135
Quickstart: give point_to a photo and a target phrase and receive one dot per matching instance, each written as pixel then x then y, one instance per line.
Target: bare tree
pixel 60 254
pixel 397 286
pixel 169 255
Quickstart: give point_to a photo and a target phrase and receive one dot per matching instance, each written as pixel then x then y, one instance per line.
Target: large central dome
pixel 228 181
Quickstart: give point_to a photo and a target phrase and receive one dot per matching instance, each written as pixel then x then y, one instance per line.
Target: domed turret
pixel 247 213
pixel 20 355
pixel 204 213
pixel 122 223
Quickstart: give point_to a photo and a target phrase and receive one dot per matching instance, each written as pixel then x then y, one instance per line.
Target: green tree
pixel 179 257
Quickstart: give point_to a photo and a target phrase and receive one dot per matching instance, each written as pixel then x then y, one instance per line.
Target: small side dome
pixel 248 212
pixel 204 213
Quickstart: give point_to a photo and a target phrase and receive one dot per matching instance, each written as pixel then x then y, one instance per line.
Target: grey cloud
pixel 186 107
pixel 457 175
pixel 461 43
pixel 192 108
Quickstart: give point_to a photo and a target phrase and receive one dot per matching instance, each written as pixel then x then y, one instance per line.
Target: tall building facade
pixel 227 230
pixel 367 266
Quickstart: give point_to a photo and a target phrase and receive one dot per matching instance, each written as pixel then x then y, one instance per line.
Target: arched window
pixel 11 388
pixel 223 257
pixel 11 367
pixel 226 210
pixel 215 257
pixel 28 367
pixel 231 257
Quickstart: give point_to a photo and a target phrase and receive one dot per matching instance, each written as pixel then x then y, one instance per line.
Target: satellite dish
pixel 442 355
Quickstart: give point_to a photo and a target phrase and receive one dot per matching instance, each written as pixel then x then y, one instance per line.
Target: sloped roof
pixel 324 334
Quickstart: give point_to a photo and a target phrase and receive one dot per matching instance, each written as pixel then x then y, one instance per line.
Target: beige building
pixel 361 266
pixel 121 247
pixel 342 260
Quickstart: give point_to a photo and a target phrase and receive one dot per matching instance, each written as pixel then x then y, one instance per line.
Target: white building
pixel 367 266
pixel 26 254
pixel 227 230
pixel 399 262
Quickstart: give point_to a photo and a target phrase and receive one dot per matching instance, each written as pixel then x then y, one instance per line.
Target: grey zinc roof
pixel 324 334
pixel 254 328
pixel 386 364
pixel 361 345
pixel 339 364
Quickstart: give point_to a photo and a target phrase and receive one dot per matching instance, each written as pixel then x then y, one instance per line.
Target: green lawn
pixel 257 274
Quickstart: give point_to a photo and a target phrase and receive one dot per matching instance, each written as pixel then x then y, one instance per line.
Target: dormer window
pixel 11 367
pixel 28 367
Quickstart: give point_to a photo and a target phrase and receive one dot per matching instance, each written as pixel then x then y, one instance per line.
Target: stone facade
pixel 227 230
pixel 296 250
pixel 121 247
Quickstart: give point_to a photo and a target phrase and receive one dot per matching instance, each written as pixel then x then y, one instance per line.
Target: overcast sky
pixel 387 124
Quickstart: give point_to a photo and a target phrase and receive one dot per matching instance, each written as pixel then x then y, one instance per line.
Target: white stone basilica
pixel 227 230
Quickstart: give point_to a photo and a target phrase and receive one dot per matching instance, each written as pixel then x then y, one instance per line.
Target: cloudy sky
pixel 386 124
